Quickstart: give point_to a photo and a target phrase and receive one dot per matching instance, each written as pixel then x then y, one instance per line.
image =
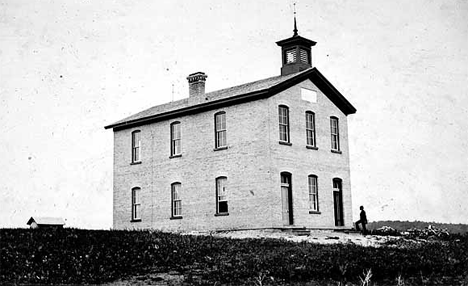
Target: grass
pixel 95 256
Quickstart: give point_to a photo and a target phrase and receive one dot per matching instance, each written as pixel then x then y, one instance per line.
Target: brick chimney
pixel 197 84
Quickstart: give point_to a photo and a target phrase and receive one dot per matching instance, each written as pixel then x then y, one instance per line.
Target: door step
pixel 299 231
pixel 347 230
pixel 302 232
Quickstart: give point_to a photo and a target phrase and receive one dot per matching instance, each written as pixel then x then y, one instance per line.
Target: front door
pixel 338 202
pixel 286 198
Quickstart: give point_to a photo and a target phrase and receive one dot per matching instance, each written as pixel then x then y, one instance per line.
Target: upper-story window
pixel 283 112
pixel 175 139
pixel 310 129
pixel 136 146
pixel 136 204
pixel 176 200
pixel 290 56
pixel 220 130
pixel 335 135
pixel 221 196
pixel 313 194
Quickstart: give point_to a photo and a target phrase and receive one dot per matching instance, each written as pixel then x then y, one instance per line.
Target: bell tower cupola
pixel 296 53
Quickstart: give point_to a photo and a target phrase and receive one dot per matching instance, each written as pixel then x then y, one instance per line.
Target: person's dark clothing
pixel 362 221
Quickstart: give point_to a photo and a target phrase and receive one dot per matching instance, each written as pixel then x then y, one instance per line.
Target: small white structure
pixel 46 222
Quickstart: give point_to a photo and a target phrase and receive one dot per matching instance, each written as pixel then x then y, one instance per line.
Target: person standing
pixel 362 220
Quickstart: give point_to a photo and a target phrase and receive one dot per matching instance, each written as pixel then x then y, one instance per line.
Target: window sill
pixel 336 151
pixel 222 214
pixel 175 156
pixel 285 143
pixel 135 163
pixel 220 148
pixel 315 212
pixel 136 220
pixel 311 147
pixel 176 217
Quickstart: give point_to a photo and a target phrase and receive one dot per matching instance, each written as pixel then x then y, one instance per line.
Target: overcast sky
pixel 68 68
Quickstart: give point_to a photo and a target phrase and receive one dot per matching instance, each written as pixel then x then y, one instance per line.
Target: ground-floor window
pixel 136 204
pixel 313 194
pixel 176 200
pixel 221 196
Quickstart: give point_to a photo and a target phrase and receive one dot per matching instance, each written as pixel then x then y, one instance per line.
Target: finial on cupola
pixel 295 25
pixel 296 52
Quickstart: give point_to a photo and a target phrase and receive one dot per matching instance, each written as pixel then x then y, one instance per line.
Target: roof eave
pixel 295 39
pixel 191 109
pixel 341 101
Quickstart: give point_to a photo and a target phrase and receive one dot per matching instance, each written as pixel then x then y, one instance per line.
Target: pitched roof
pixel 233 95
pixel 46 220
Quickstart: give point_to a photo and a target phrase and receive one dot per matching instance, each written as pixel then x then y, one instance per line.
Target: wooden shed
pixel 46 222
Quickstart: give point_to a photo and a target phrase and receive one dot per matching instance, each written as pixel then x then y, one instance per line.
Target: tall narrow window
pixel 221 196
pixel 176 200
pixel 335 135
pixel 313 194
pixel 136 215
pixel 175 139
pixel 283 113
pixel 136 146
pixel 310 129
pixel 220 130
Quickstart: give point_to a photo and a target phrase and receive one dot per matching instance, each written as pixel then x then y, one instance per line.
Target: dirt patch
pixel 315 236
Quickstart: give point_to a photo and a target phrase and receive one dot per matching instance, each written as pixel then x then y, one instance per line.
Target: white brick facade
pixel 252 164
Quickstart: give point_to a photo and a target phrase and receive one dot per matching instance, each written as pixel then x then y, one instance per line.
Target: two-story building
pixel 272 153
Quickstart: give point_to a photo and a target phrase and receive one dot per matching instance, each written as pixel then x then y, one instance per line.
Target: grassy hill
pixel 405 225
pixel 95 256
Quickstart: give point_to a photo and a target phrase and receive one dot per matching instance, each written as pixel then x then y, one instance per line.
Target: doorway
pixel 338 202
pixel 286 199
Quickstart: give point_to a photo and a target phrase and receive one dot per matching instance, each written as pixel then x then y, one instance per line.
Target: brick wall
pixel 252 164
pixel 302 162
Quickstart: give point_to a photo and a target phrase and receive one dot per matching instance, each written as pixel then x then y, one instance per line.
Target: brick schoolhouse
pixel 272 153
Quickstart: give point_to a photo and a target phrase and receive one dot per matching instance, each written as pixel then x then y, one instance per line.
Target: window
pixel 290 56
pixel 335 136
pixel 337 185
pixel 136 205
pixel 310 129
pixel 175 139
pixel 304 55
pixel 220 130
pixel 313 194
pixel 136 146
pixel 283 123
pixel 176 200
pixel 221 196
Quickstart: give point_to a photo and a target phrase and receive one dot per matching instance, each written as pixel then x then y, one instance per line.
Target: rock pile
pixel 386 231
pixel 429 232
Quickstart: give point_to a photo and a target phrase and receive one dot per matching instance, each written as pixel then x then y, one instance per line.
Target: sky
pixel 68 68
